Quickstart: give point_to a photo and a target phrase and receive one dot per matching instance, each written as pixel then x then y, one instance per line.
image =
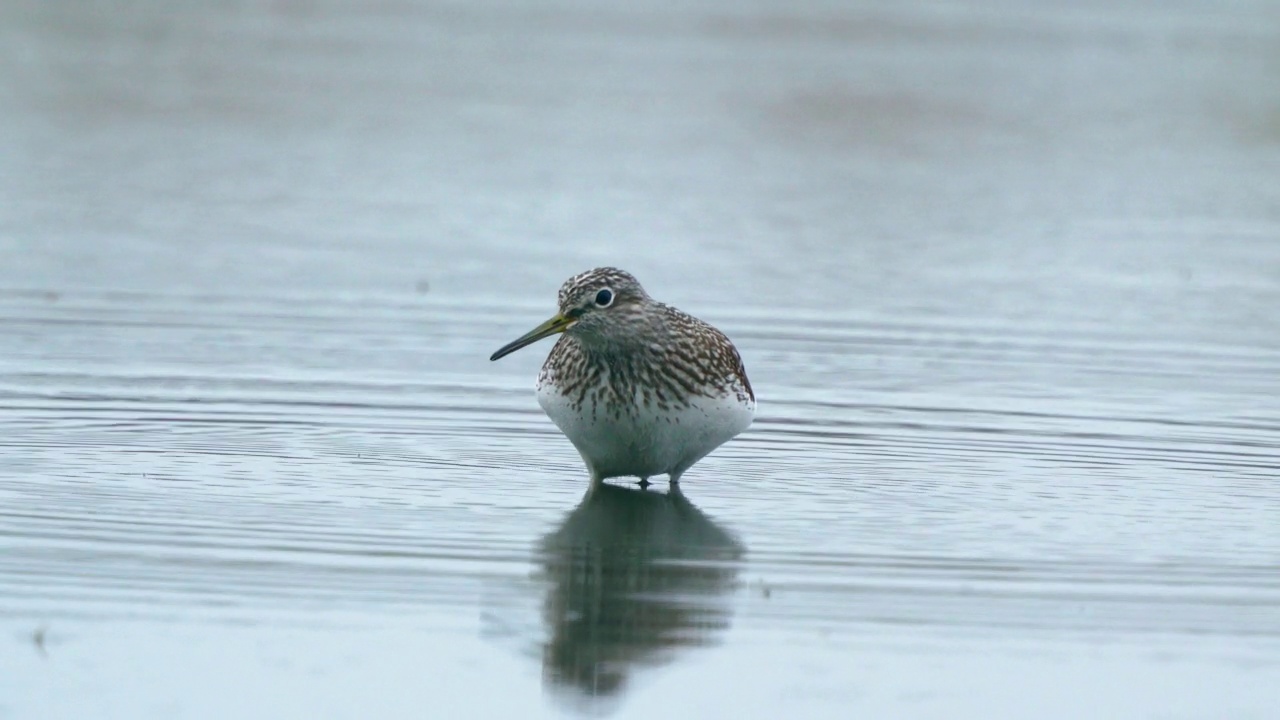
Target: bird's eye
pixel 604 298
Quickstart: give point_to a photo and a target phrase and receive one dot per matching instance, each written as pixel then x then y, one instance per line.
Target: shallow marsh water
pixel 1005 277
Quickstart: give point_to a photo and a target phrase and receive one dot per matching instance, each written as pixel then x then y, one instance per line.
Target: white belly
pixel 642 441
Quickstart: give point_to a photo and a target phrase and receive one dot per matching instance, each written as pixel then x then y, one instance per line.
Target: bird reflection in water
pixel 635 577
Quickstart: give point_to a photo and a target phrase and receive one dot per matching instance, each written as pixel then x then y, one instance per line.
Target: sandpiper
pixel 640 388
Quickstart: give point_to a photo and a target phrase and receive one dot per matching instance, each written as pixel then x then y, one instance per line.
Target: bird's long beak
pixel 554 326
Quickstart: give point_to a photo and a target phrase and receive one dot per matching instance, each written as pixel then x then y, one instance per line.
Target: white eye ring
pixel 604 298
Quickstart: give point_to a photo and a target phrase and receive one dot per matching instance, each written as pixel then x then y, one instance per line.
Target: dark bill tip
pixel 554 326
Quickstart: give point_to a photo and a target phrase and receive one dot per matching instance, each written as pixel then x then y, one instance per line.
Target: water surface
pixel 1004 278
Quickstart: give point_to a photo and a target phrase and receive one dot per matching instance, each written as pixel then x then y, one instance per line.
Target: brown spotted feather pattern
pixel 701 362
pixel 639 387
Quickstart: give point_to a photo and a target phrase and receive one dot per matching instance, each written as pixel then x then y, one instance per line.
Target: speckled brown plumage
pixel 638 386
pixel 685 358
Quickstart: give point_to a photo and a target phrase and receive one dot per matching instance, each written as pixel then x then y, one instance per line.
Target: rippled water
pixel 1005 280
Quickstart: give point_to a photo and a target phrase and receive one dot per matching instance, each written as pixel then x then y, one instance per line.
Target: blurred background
pixel 1005 275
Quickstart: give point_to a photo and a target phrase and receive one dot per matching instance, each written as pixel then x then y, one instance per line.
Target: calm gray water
pixel 1006 277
